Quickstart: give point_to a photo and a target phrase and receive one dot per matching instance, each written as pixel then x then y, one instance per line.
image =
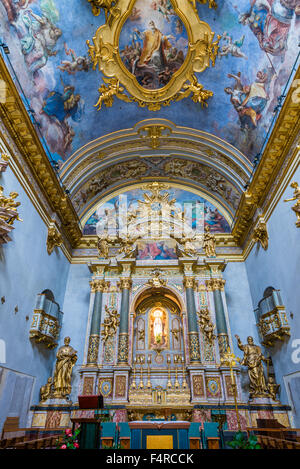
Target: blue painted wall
pixel 279 267
pixel 76 310
pixel 240 313
pixel 26 269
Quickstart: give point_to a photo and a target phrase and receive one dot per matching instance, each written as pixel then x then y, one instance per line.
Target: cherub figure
pixel 232 47
pixel 77 64
pixel 46 391
pixel 273 388
pixel 296 197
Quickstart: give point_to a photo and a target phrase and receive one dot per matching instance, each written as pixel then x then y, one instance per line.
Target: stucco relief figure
pixel 253 359
pixel 46 391
pixel 209 243
pixel 65 360
pixel 103 246
pixel 296 196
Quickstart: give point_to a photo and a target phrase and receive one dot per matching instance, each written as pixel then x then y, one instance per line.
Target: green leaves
pixel 241 442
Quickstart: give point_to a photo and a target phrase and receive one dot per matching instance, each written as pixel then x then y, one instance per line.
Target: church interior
pixel 149 221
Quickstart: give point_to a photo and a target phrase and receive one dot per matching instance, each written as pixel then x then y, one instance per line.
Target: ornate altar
pixel 158 339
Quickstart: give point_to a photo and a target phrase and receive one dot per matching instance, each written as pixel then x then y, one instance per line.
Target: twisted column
pixel 97 287
pixel 216 285
pixel 194 346
pixel 125 285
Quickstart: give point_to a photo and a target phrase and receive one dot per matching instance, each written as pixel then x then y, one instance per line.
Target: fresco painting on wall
pixel 157 250
pixel 107 215
pixel 47 42
pixel 153 43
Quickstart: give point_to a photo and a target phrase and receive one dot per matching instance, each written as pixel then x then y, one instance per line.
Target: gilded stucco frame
pixel 105 55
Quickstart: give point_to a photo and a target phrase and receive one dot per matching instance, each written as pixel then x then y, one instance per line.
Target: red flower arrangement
pixel 70 440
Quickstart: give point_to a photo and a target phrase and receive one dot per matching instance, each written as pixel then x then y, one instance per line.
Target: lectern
pixel 89 436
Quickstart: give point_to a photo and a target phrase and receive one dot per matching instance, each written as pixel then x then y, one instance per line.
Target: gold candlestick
pixel 229 359
pixel 133 385
pixel 176 378
pixel 184 383
pixel 141 385
pixel 149 381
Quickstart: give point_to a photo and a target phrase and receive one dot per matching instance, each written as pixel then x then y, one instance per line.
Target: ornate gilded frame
pixel 105 55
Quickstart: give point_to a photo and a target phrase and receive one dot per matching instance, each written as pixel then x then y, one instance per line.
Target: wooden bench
pixel 268 442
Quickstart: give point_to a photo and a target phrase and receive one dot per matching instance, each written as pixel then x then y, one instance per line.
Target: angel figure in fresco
pixel 38 34
pixel 135 14
pixel 270 21
pixel 77 64
pixel 164 7
pixel 232 47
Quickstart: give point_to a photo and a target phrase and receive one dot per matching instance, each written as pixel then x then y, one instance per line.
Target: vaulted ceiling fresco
pixel 186 201
pixel 207 145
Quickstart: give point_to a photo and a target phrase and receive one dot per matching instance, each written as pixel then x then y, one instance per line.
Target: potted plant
pixel 70 440
pixel 242 442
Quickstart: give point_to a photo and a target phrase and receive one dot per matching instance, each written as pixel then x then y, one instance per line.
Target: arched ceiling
pixel 156 150
pixel 210 149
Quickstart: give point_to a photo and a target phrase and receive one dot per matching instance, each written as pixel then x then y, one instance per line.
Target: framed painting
pixel 152 49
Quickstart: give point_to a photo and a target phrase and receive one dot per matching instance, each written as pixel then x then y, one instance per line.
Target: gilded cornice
pixel 99 285
pixel 214 284
pixel 18 124
pixel 284 134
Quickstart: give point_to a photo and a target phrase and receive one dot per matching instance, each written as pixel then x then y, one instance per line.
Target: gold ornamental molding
pixel 18 124
pixel 105 55
pixel 284 135
pixel 214 284
pixel 99 285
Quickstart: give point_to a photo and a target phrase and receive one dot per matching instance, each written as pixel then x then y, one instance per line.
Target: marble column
pixel 216 285
pixel 193 334
pixel 125 285
pixel 97 287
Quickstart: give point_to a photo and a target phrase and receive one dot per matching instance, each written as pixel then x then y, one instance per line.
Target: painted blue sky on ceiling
pixel 47 42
